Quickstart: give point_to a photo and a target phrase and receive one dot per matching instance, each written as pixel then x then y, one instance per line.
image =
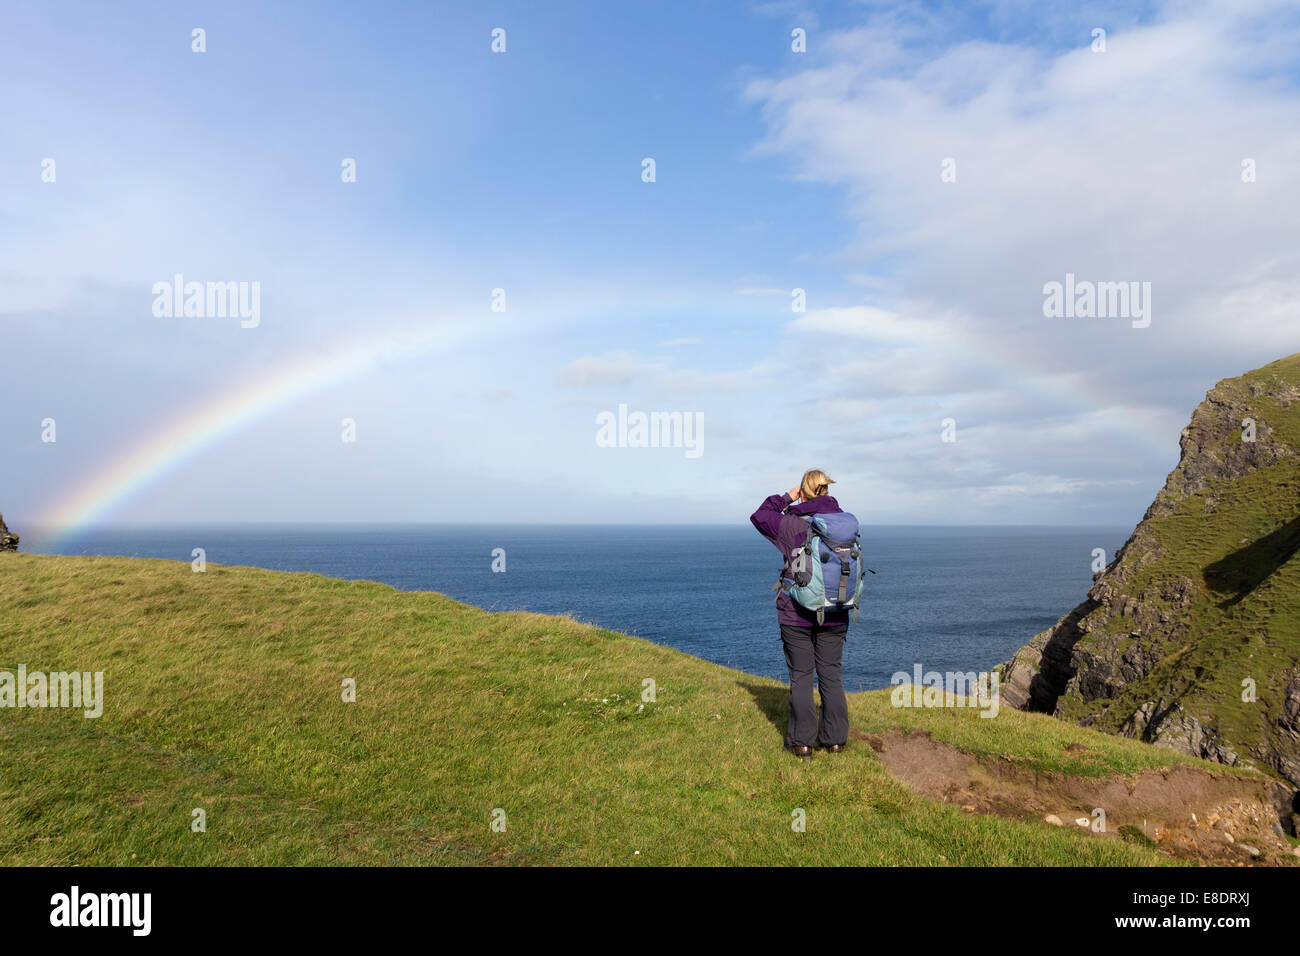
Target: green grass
pixel 223 692
pixel 1131 834
pixel 1230 634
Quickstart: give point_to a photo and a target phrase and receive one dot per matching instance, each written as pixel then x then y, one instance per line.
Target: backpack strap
pixel 785 572
pixel 861 574
pixel 846 551
pixel 844 576
pixel 843 550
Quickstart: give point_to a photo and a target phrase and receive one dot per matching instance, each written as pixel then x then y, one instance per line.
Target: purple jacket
pixel 782 524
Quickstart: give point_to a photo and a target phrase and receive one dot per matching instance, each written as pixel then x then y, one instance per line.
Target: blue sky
pixel 521 170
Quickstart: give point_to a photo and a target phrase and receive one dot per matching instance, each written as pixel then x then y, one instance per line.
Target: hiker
pixel 814 635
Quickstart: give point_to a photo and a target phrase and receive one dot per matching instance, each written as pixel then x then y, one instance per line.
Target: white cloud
pixel 1116 166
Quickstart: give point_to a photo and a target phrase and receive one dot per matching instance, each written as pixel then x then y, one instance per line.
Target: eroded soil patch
pixel 1187 812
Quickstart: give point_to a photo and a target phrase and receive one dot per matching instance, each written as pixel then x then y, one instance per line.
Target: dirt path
pixel 1186 812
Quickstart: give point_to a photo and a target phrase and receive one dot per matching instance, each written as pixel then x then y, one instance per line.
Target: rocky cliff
pixel 8 542
pixel 1190 638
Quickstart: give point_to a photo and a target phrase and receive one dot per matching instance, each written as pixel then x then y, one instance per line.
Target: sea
pixel 944 598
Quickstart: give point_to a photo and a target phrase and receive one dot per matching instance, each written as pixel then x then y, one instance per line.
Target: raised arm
pixel 767 519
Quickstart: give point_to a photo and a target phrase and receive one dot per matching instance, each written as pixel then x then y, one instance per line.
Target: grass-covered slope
pixel 1203 603
pixel 223 692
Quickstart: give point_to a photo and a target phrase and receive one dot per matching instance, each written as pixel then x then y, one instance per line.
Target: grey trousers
pixel 819 649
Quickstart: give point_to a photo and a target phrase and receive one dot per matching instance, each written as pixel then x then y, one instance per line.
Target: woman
pixel 809 646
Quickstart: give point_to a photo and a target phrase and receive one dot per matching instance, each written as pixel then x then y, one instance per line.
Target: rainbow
pixel 217 418
pixel 214 420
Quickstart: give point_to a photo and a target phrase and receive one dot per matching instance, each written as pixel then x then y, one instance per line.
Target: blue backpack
pixel 826 572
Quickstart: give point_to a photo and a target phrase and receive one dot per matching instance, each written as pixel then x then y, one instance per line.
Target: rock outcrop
pixel 8 541
pixel 1190 638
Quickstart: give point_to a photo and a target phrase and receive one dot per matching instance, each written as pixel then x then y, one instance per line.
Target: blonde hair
pixel 815 484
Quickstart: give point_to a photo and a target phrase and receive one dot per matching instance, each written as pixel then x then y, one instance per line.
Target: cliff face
pixel 1190 638
pixel 8 542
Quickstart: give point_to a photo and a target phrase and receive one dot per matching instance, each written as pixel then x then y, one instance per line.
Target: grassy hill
pixel 223 691
pixel 1203 602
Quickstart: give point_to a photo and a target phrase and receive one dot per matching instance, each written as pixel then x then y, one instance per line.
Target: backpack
pixel 827 569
